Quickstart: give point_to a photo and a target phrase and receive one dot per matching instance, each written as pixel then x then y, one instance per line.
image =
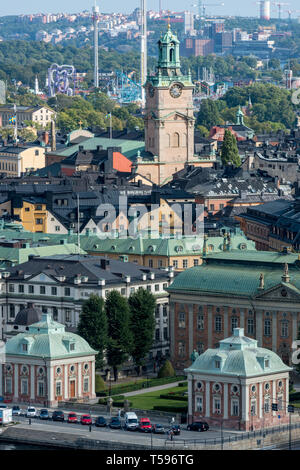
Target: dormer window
pixel 25 347
pixel 267 363
pixel 72 346
pixel 218 364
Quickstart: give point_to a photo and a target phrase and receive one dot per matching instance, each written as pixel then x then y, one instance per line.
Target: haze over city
pixel 231 7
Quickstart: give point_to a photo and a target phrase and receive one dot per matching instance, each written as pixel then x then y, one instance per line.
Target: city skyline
pixel 231 7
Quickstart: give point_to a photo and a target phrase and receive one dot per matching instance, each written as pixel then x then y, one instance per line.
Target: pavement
pixel 151 389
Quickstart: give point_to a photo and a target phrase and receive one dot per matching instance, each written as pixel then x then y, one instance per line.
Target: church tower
pixel 169 113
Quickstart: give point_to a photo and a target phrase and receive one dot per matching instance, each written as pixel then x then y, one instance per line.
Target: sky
pixel 231 7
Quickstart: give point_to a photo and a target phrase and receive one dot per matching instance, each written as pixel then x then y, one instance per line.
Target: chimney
pixel 53 136
pixel 46 138
pixel 104 263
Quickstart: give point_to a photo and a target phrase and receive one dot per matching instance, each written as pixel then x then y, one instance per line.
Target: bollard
pixel 29 420
pixel 90 428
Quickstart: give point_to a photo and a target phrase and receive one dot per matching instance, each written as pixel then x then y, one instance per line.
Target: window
pixel 38 207
pixel 181 348
pixel 157 334
pixel 250 326
pixel 267 328
pixel 212 207
pixel 58 389
pixel 218 364
pixel 24 347
pixel 11 288
pixel 67 315
pixel 165 333
pixel 53 290
pixel 280 402
pixel 149 288
pixel 24 387
pixel 72 347
pixel 284 329
pixel 253 407
pixel 234 408
pixel 55 314
pixel 165 310
pixel 165 285
pixel 57 228
pixel 86 384
pixel 8 385
pixel 132 290
pixel 181 322
pixel 200 321
pixel 199 403
pixel 217 405
pixel 218 323
pixel 196 262
pixel 234 323
pixel 123 291
pixel 156 287
pixel 42 290
pixel 21 288
pixel 267 405
pixel 39 221
pixel 200 348
pixel 31 289
pixel 67 291
pixel 185 263
pixel 11 310
pixel 175 263
pixel 150 263
pixel 41 389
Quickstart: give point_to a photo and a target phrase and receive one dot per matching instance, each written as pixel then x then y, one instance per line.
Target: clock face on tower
pixel 175 90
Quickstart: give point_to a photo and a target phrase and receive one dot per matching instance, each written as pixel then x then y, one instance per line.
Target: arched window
pixel 172 54
pixel 175 142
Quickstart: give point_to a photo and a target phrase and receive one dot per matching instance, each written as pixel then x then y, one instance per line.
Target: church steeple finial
pixel 286 277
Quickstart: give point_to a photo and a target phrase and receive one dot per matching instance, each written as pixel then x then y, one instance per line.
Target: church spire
pixel 240 117
pixel 169 60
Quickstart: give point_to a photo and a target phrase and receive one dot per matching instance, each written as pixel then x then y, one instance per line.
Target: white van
pixel 131 421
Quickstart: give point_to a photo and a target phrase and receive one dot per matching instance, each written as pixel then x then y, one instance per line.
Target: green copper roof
pixel 239 274
pixel 129 148
pixel 48 339
pixel 239 356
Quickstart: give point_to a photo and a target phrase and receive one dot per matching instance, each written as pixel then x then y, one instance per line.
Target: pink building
pixel 45 365
pixel 236 385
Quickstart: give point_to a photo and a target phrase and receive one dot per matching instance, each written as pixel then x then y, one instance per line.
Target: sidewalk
pixel 151 389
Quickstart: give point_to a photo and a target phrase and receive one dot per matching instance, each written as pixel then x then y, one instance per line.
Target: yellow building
pixel 33 216
pixel 16 160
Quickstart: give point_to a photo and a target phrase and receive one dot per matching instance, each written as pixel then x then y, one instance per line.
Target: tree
pixel 166 370
pixel 92 326
pixel 208 115
pixel 142 323
pixel 229 151
pixel 119 343
pixel 99 383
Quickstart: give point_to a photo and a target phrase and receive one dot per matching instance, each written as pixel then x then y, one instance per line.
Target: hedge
pixel 182 384
pixel 167 396
pixel 119 389
pixel 121 403
pixel 294 396
pixel 171 408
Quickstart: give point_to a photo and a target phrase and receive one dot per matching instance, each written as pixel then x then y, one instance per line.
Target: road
pixel 114 435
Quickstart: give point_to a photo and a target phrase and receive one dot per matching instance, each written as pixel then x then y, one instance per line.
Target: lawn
pixel 146 401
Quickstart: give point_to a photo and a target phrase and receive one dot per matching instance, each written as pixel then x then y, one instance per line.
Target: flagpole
pixel 110 123
pixel 16 124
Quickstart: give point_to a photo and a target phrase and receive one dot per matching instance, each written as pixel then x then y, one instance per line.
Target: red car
pixel 145 425
pixel 72 418
pixel 86 419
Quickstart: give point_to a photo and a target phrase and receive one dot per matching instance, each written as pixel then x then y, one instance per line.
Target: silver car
pixel 31 412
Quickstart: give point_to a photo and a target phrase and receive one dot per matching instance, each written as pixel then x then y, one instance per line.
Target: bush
pixel 99 384
pixel 171 408
pixel 102 401
pixel 120 403
pixel 166 370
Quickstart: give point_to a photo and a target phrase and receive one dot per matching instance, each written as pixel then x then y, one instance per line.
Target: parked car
pixel 72 418
pixel 58 415
pixel 3 406
pixel 115 423
pixel 16 410
pixel 198 426
pixel 158 429
pixel 44 414
pixel 86 419
pixel 176 429
pixel 100 422
pixel 31 412
pixel 145 425
pixel 131 421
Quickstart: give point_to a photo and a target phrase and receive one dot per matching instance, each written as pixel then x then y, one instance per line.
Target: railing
pixel 238 437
